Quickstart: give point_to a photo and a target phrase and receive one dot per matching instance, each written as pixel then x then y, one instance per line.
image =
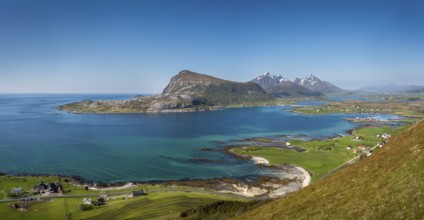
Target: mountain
pixel 387 88
pixel 387 185
pixel 268 80
pixel 315 84
pixel 279 87
pixel 213 90
pixel 187 91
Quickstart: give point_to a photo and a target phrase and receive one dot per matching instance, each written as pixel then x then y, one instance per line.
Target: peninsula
pixel 186 92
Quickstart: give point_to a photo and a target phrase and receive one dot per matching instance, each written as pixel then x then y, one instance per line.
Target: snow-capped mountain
pixel 278 86
pixel 315 84
pixel 268 80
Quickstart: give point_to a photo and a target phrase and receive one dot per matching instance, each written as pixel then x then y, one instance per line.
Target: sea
pixel 37 138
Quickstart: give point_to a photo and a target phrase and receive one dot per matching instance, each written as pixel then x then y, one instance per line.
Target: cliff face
pixel 187 91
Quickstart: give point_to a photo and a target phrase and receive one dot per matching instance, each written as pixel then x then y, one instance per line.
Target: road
pixel 114 194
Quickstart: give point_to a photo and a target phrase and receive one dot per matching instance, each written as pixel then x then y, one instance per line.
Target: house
pixel 100 201
pixel 15 206
pixel 86 201
pixel 16 191
pixel 40 187
pixel 349 148
pixel 362 147
pixel 358 138
pixel 386 136
pixel 138 193
pixel 52 188
pixel 135 194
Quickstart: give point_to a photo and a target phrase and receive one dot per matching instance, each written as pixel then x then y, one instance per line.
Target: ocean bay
pixel 37 138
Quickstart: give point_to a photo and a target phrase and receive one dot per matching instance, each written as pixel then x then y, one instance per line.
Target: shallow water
pixel 37 138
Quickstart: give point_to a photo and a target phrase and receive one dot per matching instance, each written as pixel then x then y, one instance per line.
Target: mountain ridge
pixel 281 87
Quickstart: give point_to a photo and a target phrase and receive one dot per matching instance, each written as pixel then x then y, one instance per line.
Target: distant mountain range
pixel 279 86
pixel 387 88
pixel 190 91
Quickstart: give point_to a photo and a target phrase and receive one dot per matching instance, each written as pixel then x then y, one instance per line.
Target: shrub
pixel 86 207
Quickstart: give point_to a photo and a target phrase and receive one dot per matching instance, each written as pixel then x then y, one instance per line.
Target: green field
pixel 162 202
pixel 321 156
pixel 156 205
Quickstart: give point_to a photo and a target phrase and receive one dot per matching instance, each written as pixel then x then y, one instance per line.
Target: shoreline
pixel 287 179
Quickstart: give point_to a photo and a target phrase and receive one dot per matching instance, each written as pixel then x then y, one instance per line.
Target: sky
pixel 129 46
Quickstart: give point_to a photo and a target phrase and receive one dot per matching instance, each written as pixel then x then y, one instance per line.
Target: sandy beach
pixel 298 178
pixel 307 177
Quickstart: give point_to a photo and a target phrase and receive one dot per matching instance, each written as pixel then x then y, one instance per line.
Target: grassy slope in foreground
pixel 387 185
pixel 321 156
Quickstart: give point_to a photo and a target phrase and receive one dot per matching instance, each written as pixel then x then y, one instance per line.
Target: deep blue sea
pixel 35 137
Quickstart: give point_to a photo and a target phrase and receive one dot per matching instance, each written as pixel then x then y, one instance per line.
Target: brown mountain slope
pixel 387 185
pixel 211 90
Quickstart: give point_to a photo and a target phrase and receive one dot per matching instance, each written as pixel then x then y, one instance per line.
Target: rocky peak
pixel 267 80
pixel 315 84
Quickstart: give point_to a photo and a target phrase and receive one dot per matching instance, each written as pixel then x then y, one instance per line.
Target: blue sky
pixel 129 46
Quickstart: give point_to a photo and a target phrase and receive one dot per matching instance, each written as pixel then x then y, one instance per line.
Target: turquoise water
pixel 37 138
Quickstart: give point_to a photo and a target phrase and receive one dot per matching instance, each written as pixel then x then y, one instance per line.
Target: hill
pixel 387 185
pixel 211 90
pixel 281 87
pixel 315 84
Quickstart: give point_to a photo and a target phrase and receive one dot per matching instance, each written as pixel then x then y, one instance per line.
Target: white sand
pixel 307 177
pixel 260 160
pixel 270 189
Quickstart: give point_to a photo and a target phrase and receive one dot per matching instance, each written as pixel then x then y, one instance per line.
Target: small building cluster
pixel 43 188
pixel 358 138
pixel 384 136
pixel 364 119
pixel 100 201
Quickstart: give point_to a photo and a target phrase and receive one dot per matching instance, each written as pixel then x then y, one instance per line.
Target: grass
pixel 321 156
pixel 387 185
pixel 168 202
pixel 155 205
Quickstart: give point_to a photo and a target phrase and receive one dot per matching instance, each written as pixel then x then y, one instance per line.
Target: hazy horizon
pixel 135 47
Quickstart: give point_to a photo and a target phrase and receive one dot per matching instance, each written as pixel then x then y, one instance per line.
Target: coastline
pixel 287 179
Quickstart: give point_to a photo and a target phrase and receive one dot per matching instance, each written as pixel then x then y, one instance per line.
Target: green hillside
pixel 387 185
